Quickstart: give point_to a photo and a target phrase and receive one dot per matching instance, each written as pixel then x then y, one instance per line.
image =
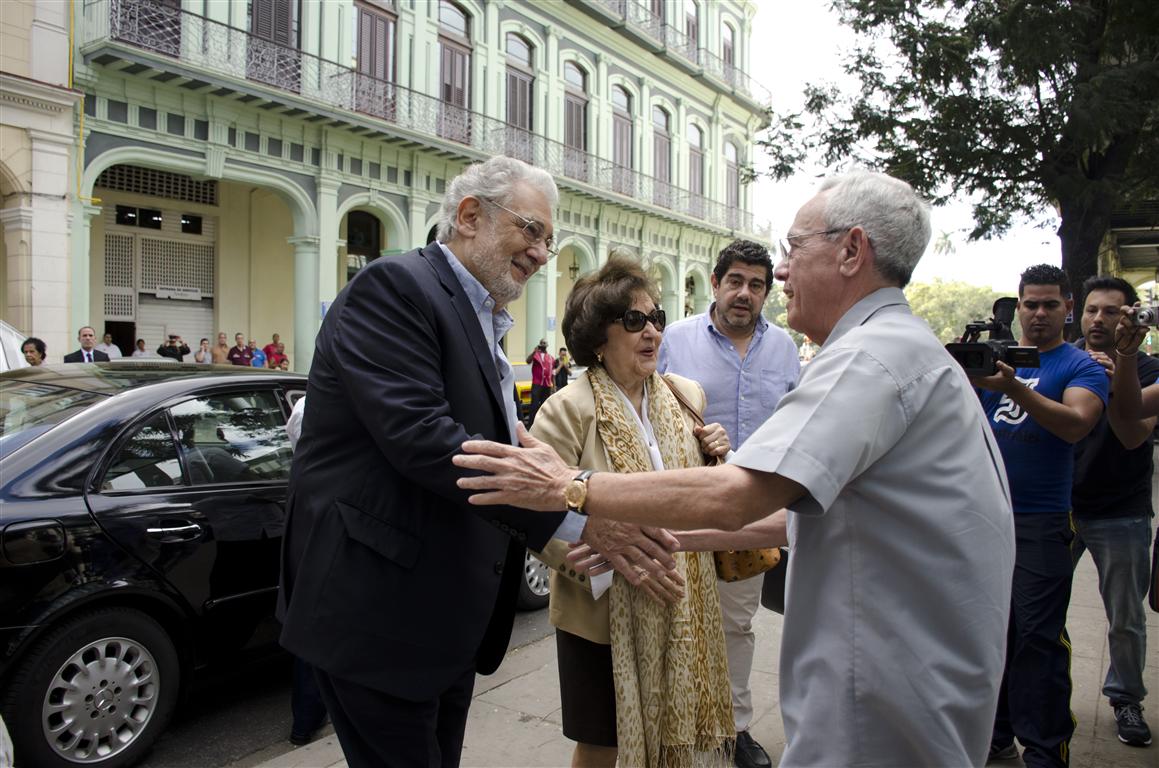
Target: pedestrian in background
pixel 541 363
pixel 140 350
pixel 220 350
pixel 239 353
pixel 562 369
pixel 109 348
pixel 174 348
pixel 257 356
pixel 33 350
pixel 203 355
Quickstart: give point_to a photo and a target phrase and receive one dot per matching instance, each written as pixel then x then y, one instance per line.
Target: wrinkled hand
pixel 1103 359
pixel 532 477
pixel 713 439
pixel 1128 335
pixel 641 555
pixel 1002 381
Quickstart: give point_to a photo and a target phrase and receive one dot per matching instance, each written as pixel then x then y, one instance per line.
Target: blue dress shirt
pixel 741 394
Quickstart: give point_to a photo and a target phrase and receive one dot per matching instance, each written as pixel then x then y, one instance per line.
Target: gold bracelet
pixel 1120 353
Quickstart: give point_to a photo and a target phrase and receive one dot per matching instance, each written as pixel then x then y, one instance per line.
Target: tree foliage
pixel 948 305
pixel 1012 104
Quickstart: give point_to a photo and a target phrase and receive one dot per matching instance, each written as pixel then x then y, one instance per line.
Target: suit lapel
pixel 470 321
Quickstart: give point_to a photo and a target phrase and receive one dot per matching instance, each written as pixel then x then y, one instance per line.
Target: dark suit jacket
pixel 78 357
pixel 390 579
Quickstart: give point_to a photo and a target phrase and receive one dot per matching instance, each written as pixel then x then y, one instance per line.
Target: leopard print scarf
pixel 673 702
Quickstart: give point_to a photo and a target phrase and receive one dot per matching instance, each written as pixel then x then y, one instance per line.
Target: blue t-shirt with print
pixel 1040 465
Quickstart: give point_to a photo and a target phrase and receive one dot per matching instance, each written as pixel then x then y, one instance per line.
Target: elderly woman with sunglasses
pixel 640 679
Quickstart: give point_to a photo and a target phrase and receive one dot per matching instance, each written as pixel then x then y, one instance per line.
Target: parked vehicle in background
pixel 143 510
pixel 523 388
pixel 11 357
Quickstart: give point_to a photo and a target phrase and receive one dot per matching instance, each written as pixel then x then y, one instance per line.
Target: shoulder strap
pixel 684 401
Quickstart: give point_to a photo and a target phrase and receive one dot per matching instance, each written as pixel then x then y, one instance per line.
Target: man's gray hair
pixel 894 217
pixel 495 180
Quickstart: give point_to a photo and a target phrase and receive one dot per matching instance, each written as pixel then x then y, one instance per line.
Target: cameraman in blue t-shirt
pixel 1037 415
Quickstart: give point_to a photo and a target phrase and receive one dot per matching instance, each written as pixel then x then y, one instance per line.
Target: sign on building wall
pixel 179 292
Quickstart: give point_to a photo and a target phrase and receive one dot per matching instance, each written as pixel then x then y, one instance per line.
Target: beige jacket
pixel 567 423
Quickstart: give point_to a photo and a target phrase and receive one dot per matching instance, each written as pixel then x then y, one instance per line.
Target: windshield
pixel 28 410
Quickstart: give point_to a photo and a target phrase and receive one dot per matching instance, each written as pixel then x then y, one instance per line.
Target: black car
pixel 142 506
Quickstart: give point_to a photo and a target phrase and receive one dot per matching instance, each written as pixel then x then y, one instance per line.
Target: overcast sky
pixel 799 42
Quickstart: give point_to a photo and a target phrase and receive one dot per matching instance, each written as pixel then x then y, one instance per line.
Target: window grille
pixel 147 181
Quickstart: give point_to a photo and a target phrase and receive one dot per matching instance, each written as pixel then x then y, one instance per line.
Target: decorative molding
pixel 37 96
pixel 215 162
pixel 17 219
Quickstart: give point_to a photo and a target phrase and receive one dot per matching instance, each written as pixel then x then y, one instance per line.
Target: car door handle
pixel 183 531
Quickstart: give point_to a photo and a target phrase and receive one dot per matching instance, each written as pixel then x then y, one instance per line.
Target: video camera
pixel 980 358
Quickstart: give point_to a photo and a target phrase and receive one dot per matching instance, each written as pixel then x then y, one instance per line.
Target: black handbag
pixel 773 590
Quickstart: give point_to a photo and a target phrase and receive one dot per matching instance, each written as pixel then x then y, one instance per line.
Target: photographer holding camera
pixel 174 348
pixel 542 367
pixel 1037 415
pixel 1112 495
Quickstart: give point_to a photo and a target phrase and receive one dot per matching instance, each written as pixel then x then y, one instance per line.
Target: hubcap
pixel 100 700
pixel 538 575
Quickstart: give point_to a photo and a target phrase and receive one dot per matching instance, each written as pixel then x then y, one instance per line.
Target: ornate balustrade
pixel 209 46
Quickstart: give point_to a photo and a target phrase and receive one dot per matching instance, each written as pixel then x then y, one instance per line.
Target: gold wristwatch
pixel 576 492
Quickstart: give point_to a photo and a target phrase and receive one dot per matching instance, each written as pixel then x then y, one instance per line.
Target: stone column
pixel 536 309
pixel 307 304
pixel 17 224
pixel 328 227
pixel 81 216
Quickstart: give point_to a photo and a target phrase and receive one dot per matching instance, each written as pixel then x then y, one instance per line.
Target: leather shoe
pixel 750 754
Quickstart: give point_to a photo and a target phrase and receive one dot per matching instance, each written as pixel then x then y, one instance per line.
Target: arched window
pixel 520 82
pixel 662 157
pixel 727 49
pixel 696 169
pixel 454 72
pixel 622 141
pixel 692 22
pixel 575 121
pixel 732 183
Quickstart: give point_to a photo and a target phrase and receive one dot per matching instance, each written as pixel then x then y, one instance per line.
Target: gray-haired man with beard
pixel 393 587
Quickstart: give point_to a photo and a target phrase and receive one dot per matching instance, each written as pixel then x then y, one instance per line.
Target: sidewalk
pixel 514 720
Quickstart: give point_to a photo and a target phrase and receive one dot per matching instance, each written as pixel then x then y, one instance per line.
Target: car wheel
pixel 535 588
pixel 96 690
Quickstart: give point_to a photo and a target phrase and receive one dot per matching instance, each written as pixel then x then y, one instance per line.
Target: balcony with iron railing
pixel 200 49
pixel 636 16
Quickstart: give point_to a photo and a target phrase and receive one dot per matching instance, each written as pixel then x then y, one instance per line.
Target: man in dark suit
pixel 86 354
pixel 393 587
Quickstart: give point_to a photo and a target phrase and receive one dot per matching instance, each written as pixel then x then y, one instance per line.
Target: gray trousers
pixel 739 601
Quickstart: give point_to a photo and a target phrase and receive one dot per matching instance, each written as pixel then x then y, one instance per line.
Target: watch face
pixel 574 494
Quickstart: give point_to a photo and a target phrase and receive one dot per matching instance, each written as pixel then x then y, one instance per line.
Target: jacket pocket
pixel 387 540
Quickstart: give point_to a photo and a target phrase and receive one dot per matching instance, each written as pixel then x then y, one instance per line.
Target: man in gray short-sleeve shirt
pixel 899 516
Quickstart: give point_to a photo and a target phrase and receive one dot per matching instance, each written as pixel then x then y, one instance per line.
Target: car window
pixel 28 410
pixel 233 437
pixel 148 459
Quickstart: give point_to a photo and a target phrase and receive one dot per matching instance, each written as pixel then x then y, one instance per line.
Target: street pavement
pixel 514 720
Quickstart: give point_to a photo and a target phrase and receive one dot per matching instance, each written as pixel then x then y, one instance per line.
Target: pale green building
pixel 240 159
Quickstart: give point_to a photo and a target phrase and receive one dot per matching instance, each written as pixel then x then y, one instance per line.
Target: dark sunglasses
pixel 634 320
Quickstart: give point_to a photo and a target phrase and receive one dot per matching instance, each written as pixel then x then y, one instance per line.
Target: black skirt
pixel 587 690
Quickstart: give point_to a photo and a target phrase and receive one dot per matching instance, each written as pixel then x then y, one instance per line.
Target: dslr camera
pixel 980 358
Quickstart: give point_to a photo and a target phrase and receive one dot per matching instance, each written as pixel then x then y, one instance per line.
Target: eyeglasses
pixel 786 243
pixel 534 232
pixel 634 320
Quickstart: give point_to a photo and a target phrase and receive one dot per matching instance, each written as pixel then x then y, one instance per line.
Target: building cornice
pixel 35 95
